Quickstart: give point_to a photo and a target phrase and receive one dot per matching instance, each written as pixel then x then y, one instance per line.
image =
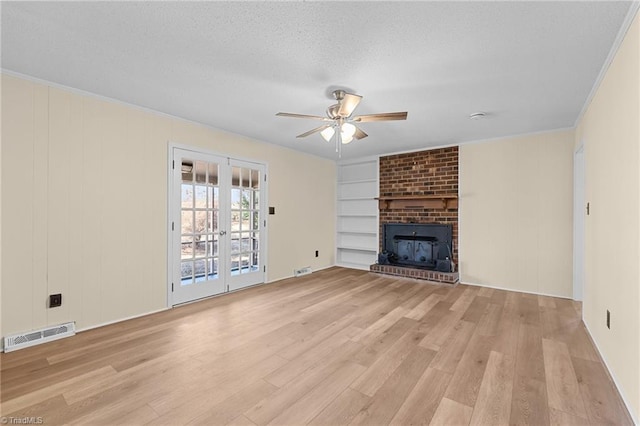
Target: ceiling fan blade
pixel 316 130
pixel 348 104
pixel 312 117
pixel 385 116
pixel 360 134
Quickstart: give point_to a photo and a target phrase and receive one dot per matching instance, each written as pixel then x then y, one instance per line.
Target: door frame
pixel 169 212
pixel 579 222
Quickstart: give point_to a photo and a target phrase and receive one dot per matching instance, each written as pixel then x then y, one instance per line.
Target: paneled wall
pixel 84 196
pixel 610 132
pixel 516 213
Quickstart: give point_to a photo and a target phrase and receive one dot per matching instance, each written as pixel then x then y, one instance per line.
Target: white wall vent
pixel 302 271
pixel 35 337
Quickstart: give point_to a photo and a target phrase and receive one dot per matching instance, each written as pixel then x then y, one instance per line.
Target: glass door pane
pixel 198 187
pixel 245 267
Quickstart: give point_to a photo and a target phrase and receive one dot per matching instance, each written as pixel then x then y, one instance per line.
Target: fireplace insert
pixel 419 245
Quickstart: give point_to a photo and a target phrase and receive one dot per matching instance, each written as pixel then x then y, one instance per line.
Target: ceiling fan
pixel 339 120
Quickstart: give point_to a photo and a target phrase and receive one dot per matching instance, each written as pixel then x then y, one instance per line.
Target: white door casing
pixel 579 222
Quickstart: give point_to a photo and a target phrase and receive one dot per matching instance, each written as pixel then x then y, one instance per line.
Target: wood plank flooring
pixel 338 347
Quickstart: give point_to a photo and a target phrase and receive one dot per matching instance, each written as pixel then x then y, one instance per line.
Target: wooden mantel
pixel 418 202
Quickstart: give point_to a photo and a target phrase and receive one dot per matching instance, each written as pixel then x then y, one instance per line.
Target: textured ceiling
pixel 233 65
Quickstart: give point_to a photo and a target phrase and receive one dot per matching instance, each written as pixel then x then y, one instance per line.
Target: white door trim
pixel 169 242
pixel 579 222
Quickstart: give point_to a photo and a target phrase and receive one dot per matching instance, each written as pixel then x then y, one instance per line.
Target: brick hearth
pixel 421 274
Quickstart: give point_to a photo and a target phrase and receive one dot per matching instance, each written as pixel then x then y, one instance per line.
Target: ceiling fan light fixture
pixel 347 130
pixel 327 133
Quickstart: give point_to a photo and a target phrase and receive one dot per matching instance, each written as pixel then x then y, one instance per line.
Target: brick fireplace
pixel 420 188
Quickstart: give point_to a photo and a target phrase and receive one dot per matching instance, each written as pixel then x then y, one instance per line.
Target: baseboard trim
pixel 514 290
pixel 293 276
pixel 324 267
pixel 627 406
pixel 104 324
pixel 352 266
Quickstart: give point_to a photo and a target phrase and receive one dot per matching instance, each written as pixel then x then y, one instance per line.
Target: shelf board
pixel 347 247
pixel 349 182
pixel 347 163
pixel 444 201
pixel 352 265
pixel 358 232
pixel 356 198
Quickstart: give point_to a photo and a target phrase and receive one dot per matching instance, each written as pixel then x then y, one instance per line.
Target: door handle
pixel 223 232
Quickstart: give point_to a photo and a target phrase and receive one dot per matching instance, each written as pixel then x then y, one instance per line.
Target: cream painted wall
pixel 516 213
pixel 84 185
pixel 0 208
pixel 610 131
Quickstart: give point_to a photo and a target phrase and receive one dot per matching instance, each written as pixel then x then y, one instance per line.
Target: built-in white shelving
pixel 357 221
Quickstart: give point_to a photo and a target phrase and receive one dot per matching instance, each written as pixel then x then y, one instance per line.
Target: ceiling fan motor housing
pixel 339 94
pixel 332 111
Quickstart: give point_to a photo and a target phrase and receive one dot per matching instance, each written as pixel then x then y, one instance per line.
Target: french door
pixel 217 232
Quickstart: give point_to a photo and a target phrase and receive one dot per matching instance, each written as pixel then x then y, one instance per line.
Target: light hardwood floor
pixel 336 347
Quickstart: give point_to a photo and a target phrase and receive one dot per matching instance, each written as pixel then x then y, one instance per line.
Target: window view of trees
pixel 245 220
pixel 200 215
pixel 199 221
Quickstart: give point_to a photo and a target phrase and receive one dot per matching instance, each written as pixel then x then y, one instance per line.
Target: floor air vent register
pixel 36 337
